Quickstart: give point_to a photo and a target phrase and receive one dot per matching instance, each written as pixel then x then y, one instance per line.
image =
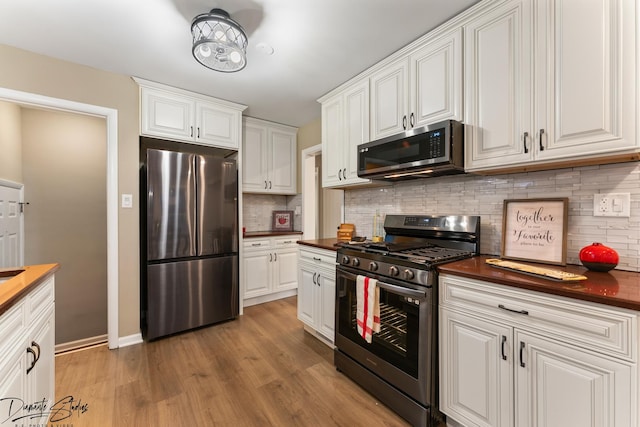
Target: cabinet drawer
pixel 318 256
pixel 590 325
pixel 285 242
pixel 12 327
pixel 40 299
pixel 256 244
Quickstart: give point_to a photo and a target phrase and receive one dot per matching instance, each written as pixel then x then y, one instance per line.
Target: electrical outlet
pixel 612 204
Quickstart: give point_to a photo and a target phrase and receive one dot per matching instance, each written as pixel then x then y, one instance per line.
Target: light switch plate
pixel 127 200
pixel 612 204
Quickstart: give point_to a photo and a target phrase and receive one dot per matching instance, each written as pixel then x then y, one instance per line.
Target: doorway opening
pixel 322 208
pixel 111 117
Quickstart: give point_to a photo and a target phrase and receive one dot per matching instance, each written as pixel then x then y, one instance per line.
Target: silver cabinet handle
pixel 404 122
pixel 504 340
pixel 339 174
pixel 256 244
pixel 269 185
pixel 191 131
pixel 314 278
pixel 275 257
pixel 270 257
pixel 36 356
pixel 265 184
pixel 318 280
pixel 541 133
pixel 198 136
pixel 522 345
pixel 344 173
pixel 411 117
pixel 524 141
pixel 317 259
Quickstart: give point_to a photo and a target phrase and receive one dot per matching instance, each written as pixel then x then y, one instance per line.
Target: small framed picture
pixel 535 230
pixel 282 221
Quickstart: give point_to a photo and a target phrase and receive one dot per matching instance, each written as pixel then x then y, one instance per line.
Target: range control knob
pixel 373 266
pixel 408 274
pixel 393 270
pixel 355 262
pixel 345 259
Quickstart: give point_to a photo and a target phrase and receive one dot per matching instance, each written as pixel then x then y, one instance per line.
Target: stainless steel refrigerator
pixel 191 241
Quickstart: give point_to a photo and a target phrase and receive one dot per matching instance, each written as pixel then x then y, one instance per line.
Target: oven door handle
pixel 402 291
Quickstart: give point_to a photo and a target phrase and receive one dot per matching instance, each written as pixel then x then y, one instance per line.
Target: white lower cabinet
pixel 317 290
pixel 270 267
pixel 510 357
pixel 27 364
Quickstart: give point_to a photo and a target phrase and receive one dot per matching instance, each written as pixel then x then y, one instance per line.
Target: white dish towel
pixel 368 306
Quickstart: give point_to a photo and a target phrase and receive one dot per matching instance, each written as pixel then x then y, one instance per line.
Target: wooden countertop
pixel 18 286
pixel 329 243
pixel 615 288
pixel 250 234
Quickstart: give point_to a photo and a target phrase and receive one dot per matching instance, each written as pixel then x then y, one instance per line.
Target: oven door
pixel 402 353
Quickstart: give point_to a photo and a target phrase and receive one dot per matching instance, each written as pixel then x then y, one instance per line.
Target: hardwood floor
pixel 259 370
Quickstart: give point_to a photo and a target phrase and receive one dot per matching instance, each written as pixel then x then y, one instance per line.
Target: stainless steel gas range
pixel 400 364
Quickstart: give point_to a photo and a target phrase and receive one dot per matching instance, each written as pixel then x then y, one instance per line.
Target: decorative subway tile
pixel 485 195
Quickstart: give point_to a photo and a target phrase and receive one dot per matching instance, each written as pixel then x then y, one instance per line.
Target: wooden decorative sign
pixel 535 230
pixel 282 221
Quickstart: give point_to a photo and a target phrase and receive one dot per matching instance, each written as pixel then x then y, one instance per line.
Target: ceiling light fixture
pixel 219 42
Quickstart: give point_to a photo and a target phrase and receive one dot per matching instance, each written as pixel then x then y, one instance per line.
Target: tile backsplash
pixel 257 210
pixel 484 196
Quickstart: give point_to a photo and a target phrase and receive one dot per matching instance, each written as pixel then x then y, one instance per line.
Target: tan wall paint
pixel 33 73
pixel 308 136
pixel 64 169
pixel 10 142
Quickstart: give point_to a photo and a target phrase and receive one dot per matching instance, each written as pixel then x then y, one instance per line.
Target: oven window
pixel 397 341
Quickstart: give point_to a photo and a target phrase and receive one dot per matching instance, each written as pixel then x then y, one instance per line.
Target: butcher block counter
pixel 615 288
pixel 17 282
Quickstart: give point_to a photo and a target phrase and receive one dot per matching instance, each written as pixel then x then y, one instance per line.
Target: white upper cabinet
pixel 562 89
pixel 269 157
pixel 345 125
pixel 179 115
pixel 421 88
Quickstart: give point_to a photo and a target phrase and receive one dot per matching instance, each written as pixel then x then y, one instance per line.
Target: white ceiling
pixel 318 44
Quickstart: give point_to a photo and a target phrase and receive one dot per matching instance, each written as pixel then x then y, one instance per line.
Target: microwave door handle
pixel 402 291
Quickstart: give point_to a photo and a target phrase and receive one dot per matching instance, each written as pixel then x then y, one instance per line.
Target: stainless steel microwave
pixel 433 150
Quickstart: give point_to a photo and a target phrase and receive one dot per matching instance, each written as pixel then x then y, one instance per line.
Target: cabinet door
pixel 257 273
pixel 436 80
pixel 498 88
pixel 255 159
pixel 476 370
pixel 307 285
pixel 561 385
pixel 585 77
pixel 327 302
pixel 389 88
pixel 167 116
pixel 333 161
pixel 13 379
pixel 282 162
pixel 217 126
pixel 356 129
pixel 41 379
pixel 285 265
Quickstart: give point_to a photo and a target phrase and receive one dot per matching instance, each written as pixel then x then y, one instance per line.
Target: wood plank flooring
pixel 259 370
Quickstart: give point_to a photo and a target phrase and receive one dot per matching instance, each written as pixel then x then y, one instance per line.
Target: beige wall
pixel 64 174
pixel 29 72
pixel 10 142
pixel 308 136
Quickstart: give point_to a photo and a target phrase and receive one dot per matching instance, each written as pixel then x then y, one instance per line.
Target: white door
pixel 11 252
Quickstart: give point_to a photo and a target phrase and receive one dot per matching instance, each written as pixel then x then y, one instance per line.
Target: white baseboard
pixel 270 297
pixel 130 340
pixel 79 344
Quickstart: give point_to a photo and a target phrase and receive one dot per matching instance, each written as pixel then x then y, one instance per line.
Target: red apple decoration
pixel 598 257
pixel 282 220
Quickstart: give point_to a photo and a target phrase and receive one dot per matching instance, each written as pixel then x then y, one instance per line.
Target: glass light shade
pixel 219 42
